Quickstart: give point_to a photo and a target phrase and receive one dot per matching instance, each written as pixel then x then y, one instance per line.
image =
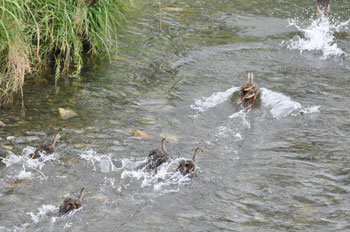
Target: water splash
pixel 27 163
pixel 319 36
pixel 205 103
pixel 241 115
pixel 281 105
pixel 105 161
pixel 165 176
pixel 43 211
pixel 227 132
pixel 310 110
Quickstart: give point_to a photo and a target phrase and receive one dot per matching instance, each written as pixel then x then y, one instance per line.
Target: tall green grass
pixel 35 34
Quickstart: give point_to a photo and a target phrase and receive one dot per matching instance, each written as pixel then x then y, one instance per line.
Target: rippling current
pixel 281 166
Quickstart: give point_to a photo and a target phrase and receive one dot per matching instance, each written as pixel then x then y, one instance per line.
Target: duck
pixel 157 157
pixel 249 92
pixel 69 204
pixel 323 7
pixel 48 148
pixel 188 166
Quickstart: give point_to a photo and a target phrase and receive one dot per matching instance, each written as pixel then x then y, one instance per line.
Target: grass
pixel 36 34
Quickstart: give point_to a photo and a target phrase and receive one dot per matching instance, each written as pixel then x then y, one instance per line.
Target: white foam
pixel 43 210
pixel 205 103
pixel 226 132
pixel 281 105
pixel 242 116
pixel 27 163
pixel 310 110
pixel 164 177
pixel 104 161
pixel 319 36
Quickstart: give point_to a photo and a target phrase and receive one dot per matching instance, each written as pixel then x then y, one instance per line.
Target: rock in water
pixel 66 113
pixel 2 125
pixel 141 134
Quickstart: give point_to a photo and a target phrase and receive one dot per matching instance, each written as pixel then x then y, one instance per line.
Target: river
pixel 281 166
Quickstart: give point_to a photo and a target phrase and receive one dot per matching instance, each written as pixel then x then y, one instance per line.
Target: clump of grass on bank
pixel 35 34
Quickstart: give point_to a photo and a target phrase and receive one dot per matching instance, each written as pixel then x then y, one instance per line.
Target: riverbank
pixel 37 36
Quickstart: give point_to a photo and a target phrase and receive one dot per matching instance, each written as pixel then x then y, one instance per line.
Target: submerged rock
pixel 7 147
pixel 21 139
pixel 36 133
pixel 114 122
pixel 2 125
pixel 66 113
pixel 141 134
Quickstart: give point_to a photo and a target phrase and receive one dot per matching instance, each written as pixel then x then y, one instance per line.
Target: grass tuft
pixel 35 34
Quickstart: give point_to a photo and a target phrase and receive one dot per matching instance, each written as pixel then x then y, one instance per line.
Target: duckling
pixel 188 166
pixel 249 92
pixel 157 157
pixel 323 5
pixel 69 204
pixel 47 148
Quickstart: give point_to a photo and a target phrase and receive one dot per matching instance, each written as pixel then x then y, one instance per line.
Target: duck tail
pixel 250 78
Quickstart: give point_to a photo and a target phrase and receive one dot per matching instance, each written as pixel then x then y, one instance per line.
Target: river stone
pixel 36 133
pixel 14 139
pixel 66 114
pixel 141 134
pixel 114 122
pixel 2 125
pixel 7 147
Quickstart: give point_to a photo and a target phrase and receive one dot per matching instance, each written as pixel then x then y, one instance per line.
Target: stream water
pixel 284 165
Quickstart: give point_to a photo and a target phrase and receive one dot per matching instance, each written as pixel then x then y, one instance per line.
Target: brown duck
pixel 157 157
pixel 323 7
pixel 69 204
pixel 249 92
pixel 188 166
pixel 48 148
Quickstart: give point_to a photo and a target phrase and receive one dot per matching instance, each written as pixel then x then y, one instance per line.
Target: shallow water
pixel 281 166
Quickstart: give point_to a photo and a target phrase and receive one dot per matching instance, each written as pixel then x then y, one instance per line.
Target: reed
pixel 35 34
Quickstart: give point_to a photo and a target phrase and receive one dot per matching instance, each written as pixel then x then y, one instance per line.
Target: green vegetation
pixel 36 34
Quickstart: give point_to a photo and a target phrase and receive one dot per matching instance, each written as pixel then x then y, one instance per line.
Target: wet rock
pixel 30 139
pixel 21 139
pixel 66 114
pixel 2 125
pixel 30 133
pixel 79 145
pixel 257 219
pixel 141 134
pixel 169 136
pixel 114 122
pixel 14 139
pixel 7 147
